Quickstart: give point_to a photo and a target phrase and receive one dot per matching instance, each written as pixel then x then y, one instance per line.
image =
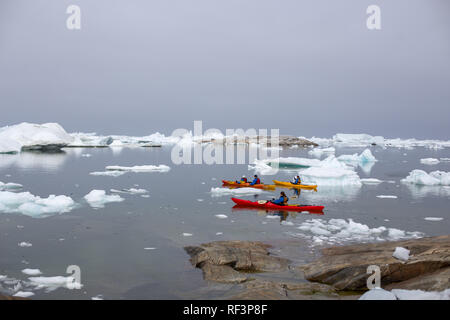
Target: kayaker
pixel 243 180
pixel 297 180
pixel 282 201
pixel 256 180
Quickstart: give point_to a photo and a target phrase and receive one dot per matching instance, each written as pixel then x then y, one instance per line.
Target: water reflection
pixel 419 191
pixel 49 161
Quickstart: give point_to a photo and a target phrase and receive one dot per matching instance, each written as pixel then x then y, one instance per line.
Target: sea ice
pixel 365 156
pixel 25 244
pixel 34 206
pixel 10 186
pixel 32 272
pixel 433 219
pixel 23 294
pixel 371 181
pixel 221 216
pixel 429 161
pixel 15 138
pixel 218 192
pixel 387 197
pixel 98 198
pixel 145 168
pixel 53 283
pixel 108 173
pixel 319 152
pixel 434 178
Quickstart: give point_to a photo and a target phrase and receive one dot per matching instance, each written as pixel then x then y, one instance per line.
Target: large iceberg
pixel 434 178
pixel 34 206
pixel 331 172
pixel 29 136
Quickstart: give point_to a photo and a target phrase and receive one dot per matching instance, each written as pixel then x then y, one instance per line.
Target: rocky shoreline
pixel 340 273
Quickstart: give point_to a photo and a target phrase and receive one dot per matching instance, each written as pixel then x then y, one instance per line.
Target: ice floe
pixel 218 192
pixel 365 156
pixel 382 196
pixel 23 294
pixel 34 206
pixel 402 294
pixel 221 216
pixel 98 198
pixel 53 283
pixel 429 161
pixel 32 272
pixel 130 191
pixel 371 181
pixel 433 218
pixel 319 152
pixel 434 178
pixel 15 138
pixel 137 169
pixel 331 172
pixel 108 173
pixel 321 231
pixel 401 254
pixel 10 186
pixel 24 244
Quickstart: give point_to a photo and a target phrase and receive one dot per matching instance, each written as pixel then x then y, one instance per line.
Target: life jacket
pixel 258 181
pixel 297 181
pixel 285 199
pixel 244 180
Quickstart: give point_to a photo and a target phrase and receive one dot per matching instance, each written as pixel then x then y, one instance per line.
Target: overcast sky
pixel 307 67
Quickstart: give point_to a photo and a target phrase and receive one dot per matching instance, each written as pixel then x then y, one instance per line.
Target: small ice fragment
pixel 23 294
pixel 387 197
pixel 401 254
pixel 219 233
pixel 434 219
pixel 221 216
pixel 149 248
pixel 429 161
pixel 187 234
pixel 25 244
pixel 98 198
pixel 32 272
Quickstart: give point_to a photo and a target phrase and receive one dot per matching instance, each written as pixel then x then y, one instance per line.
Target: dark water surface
pixel 108 243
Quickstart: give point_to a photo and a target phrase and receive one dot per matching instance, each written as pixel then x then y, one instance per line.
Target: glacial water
pixel 134 249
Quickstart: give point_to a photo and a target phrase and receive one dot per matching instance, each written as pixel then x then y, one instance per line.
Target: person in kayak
pixel 243 180
pixel 282 200
pixel 297 180
pixel 256 180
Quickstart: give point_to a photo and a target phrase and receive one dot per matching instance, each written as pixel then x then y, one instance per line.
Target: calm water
pixel 108 244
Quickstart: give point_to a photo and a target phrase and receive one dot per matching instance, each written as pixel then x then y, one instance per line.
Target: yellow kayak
pixel 297 186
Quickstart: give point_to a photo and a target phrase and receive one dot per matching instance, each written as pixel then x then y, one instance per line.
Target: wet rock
pixel 232 261
pixel 345 268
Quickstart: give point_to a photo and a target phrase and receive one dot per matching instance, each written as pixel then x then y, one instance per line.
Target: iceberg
pixel 10 186
pixel 365 156
pixel 130 191
pixel 331 172
pixel 29 136
pixel 98 198
pixel 357 140
pixel 319 152
pixel 218 192
pixel 34 206
pixel 434 178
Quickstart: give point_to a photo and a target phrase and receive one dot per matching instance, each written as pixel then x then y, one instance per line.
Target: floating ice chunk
pixel 218 192
pixel 145 168
pixel 10 186
pixel 378 294
pixel 387 197
pixel 187 234
pixel 130 191
pixel 365 156
pixel 371 181
pixel 34 206
pixel 445 159
pixel 340 230
pixel 401 254
pixel 433 219
pixel 331 173
pixel 86 155
pixel 221 216
pixel 25 135
pixel 421 295
pixel 23 294
pixel 32 272
pixel 53 283
pixel 97 297
pixel 319 152
pixel 429 161
pixel 98 198
pixel 287 223
pixel 108 173
pixel 24 244
pixel 149 248
pixel 357 140
pixel 434 178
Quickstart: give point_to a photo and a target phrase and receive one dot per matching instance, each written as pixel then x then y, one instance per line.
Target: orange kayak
pixel 234 184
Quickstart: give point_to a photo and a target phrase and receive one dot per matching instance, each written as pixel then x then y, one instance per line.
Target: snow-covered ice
pixel 434 178
pixel 34 206
pixel 401 254
pixel 15 138
pixel 218 192
pixel 98 198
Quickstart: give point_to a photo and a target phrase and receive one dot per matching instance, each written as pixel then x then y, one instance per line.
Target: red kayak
pixel 263 204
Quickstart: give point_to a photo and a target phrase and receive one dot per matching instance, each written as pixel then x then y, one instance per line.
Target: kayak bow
pixel 270 206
